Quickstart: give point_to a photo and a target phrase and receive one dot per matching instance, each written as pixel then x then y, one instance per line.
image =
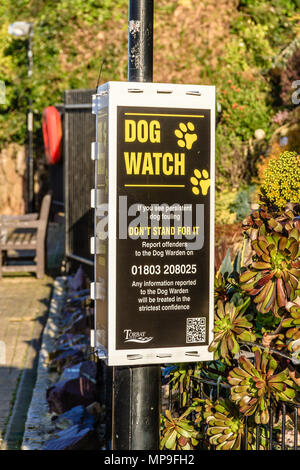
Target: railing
pixel 79 133
pixel 281 433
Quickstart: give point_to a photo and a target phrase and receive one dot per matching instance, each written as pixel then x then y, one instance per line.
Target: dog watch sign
pixel 154 222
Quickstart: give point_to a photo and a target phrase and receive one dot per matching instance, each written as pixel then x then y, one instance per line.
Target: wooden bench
pixel 24 235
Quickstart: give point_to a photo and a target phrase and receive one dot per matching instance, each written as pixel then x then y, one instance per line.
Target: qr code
pixel 196 330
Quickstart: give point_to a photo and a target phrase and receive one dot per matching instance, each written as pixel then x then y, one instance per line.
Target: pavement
pixel 24 304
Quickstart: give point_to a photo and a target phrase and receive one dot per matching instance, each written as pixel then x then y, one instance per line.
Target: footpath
pixel 23 312
pixel 24 303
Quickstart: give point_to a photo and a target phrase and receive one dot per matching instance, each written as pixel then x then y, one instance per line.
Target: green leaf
pixel 170 442
pixel 226 266
pixel 183 432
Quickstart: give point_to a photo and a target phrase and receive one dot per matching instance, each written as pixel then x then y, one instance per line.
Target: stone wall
pixel 12 179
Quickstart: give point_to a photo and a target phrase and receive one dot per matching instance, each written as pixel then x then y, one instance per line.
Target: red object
pixel 52 134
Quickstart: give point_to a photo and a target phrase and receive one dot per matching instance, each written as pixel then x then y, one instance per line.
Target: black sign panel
pixel 163 229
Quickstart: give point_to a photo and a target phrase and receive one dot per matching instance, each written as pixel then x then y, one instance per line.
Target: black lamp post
pixel 136 389
pixel 22 29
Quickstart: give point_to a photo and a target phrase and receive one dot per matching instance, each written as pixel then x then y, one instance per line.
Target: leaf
pixel 184 433
pixel 247 275
pixel 237 262
pixel 280 377
pixel 215 430
pixel 247 366
pixel 235 349
pixel 169 416
pixel 247 336
pixel 265 291
pixel 283 243
pixel 264 279
pixel 267 339
pixel 268 303
pixel 288 395
pixel 162 442
pixel 226 266
pixel 281 298
pixel 224 349
pixel 171 440
pixel 185 425
pixel 295 376
pixel 261 265
pixel 227 445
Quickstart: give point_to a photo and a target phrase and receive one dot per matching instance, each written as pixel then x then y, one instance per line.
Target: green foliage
pixel 276 16
pixel 55 55
pixel 178 433
pixel 181 379
pixel 243 95
pixel 68 54
pixel 242 92
pixel 244 87
pixel 266 323
pixel 224 200
pixel 241 205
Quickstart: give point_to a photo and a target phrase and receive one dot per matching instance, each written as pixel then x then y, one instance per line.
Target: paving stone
pixel 23 312
pixel 24 302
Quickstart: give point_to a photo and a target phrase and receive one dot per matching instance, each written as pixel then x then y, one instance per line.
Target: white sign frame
pixel 110 96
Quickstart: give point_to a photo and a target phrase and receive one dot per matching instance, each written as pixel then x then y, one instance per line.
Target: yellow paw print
pixel 185 138
pixel 200 179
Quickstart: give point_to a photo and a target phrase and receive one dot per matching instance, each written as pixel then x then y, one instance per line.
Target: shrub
pixel 282 180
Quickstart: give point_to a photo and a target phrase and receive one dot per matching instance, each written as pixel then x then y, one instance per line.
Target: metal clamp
pixel 98 291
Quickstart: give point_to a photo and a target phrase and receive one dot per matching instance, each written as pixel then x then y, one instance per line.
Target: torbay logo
pixel 136 337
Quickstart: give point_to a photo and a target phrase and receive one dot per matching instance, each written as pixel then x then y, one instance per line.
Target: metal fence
pixel 79 133
pixel 281 433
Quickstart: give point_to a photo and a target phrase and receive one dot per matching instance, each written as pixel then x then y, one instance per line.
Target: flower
pixel 178 433
pixel 231 325
pixel 273 276
pixel 253 387
pixel 225 425
pixel 282 179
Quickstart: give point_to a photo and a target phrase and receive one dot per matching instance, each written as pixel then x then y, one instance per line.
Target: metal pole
pixel 136 390
pixel 140 41
pixel 30 183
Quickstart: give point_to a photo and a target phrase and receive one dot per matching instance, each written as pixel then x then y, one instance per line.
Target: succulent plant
pixel 268 219
pixel 257 299
pixel 227 286
pixel 181 378
pixel 294 319
pixel 253 387
pixel 293 325
pixel 225 424
pixel 221 288
pixel 178 433
pixel 274 274
pixel 198 407
pixel 287 219
pixel 231 326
